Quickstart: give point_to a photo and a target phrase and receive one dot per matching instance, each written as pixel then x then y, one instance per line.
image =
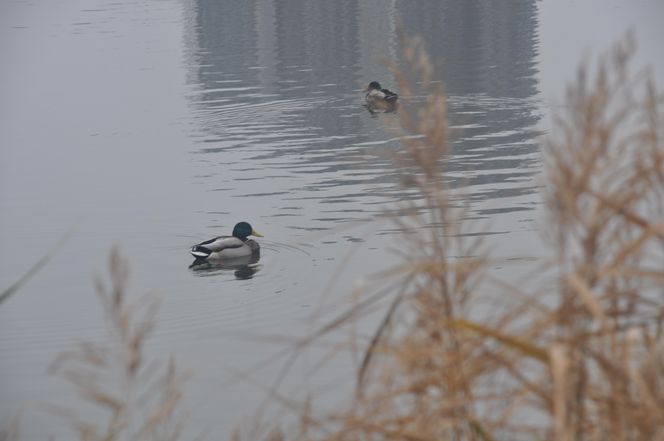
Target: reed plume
pixel 139 397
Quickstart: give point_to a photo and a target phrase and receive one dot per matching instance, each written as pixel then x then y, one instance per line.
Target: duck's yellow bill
pixel 256 233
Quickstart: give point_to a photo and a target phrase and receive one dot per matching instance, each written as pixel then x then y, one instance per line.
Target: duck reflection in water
pixel 243 267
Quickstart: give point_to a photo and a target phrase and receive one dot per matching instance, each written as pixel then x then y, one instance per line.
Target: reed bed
pixel 578 353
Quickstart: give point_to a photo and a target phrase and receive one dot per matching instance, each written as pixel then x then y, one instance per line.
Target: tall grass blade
pixel 13 288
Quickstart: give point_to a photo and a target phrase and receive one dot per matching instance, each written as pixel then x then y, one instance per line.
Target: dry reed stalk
pixel 140 398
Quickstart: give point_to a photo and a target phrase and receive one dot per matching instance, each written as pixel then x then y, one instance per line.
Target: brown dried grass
pixel 578 359
pixel 140 398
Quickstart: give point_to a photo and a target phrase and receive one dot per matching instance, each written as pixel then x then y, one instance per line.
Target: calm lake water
pixel 157 124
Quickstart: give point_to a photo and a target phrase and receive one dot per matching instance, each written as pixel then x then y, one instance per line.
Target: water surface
pixel 155 125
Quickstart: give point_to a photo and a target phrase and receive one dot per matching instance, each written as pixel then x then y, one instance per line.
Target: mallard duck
pixel 379 98
pixel 228 247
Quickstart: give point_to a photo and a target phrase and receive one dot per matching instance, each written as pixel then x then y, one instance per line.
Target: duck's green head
pixel 243 229
pixel 374 85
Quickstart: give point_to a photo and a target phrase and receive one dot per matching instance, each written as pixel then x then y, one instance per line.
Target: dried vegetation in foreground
pixel 579 358
pixel 138 397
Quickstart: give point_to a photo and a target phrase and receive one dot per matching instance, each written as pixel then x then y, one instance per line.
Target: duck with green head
pixel 228 247
pixel 378 98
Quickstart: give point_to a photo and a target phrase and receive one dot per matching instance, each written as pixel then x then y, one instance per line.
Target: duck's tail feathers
pixel 390 96
pixel 200 252
pixel 198 262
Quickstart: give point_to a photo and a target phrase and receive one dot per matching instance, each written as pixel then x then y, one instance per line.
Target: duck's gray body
pixel 224 247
